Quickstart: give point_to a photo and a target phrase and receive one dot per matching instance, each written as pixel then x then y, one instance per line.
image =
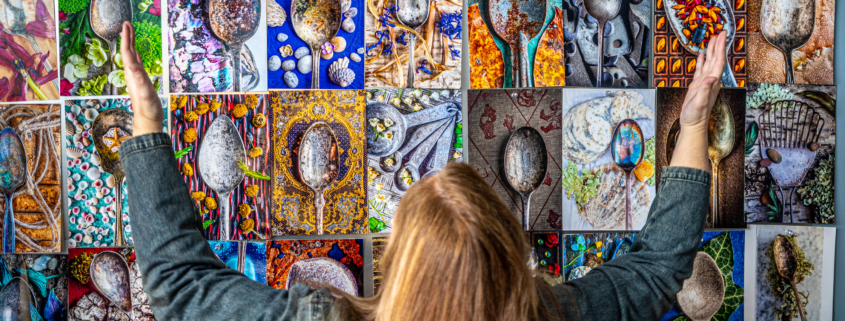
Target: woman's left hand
pixel 145 102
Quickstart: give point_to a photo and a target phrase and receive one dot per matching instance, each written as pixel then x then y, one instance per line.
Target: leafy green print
pixel 148 42
pixel 775 210
pixel 751 137
pixel 650 157
pixel 766 93
pixel 581 188
pixel 95 52
pixel 76 68
pixel 781 288
pixel 720 248
pixel 73 6
pixel 93 86
pixel 74 33
pixel 818 192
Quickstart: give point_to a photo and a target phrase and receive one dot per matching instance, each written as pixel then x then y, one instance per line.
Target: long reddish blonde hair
pixel 456 253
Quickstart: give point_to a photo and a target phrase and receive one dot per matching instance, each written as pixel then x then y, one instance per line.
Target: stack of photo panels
pixel 66 115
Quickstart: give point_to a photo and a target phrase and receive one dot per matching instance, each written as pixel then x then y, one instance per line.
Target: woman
pixel 456 252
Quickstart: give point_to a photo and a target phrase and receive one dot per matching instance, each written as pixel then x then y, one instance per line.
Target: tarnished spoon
pixel 627 149
pixel 603 11
pixel 787 264
pixel 110 129
pixel 16 23
pixel 319 163
pixel 721 133
pixel 218 157
pixel 672 139
pixel 787 25
pixel 12 176
pixel 526 162
pixel 315 22
pixel 110 275
pixel 106 19
pixel 320 271
pixel 702 294
pixel 234 22
pixel 15 301
pixel 517 22
pixel 413 14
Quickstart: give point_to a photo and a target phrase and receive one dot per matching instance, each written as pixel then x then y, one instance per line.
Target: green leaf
pixel 207 223
pixel 73 42
pixel 721 249
pixel 96 52
pixel 184 151
pixel 93 86
pixel 252 173
pixel 751 138
pixel 775 211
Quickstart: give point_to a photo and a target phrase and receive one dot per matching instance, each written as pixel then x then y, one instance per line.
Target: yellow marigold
pixel 215 105
pixel 183 100
pixel 644 171
pixel 247 226
pixel 244 210
pixel 201 109
pixel 210 203
pixel 240 110
pixel 173 104
pixel 190 135
pixel 259 120
pixel 191 116
pixel 198 196
pixel 255 152
pixel 251 100
pixel 187 169
pixel 251 190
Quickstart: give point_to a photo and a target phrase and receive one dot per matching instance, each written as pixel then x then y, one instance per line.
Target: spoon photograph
pixel 16 25
pixel 413 14
pixel 787 25
pixel 221 150
pixel 107 18
pixel 234 22
pixel 603 11
pixel 721 133
pixel 16 298
pixel 517 22
pixel 13 172
pixel 110 275
pixel 316 22
pixel 787 264
pixel 729 23
pixel 319 163
pixel 627 150
pixel 526 162
pixel 109 130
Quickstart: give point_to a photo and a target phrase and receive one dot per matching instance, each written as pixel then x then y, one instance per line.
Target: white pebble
pixel 274 63
pixel 301 52
pixel 290 79
pixel 282 37
pixel 354 57
pixel 93 173
pixel 304 65
pixel 289 65
pixel 348 25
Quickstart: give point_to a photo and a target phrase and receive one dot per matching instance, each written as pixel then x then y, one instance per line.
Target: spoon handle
pixel 714 194
pixel 412 41
pixel 525 78
pixel 515 66
pixel 728 79
pixel 112 89
pixel 118 211
pixel 223 217
pixel 787 55
pixel 315 68
pixel 798 301
pixel 236 67
pixel 526 211
pixel 8 226
pixel 319 203
pixel 599 70
pixel 629 217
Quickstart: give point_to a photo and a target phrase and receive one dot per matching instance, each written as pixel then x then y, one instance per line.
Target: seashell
pixel 77 162
pixel 348 25
pixel 110 181
pixel 301 52
pixel 77 137
pixel 92 102
pixel 75 109
pixel 93 173
pixel 74 152
pixel 70 187
pixel 345 5
pixel 87 239
pixel 86 142
pixel 99 195
pixel 86 126
pixel 95 159
pixel 76 177
pixel 100 237
pixel 340 74
pixel 85 166
pixel 276 15
pixel 83 185
pixel 339 44
pixel 354 57
pixel 327 56
pixel 98 183
pixel 91 114
pixel 70 129
pixel 92 209
pixel 304 65
pixel 285 51
pixel 104 191
pixel 274 63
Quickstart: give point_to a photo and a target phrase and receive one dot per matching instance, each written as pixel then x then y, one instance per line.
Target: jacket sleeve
pixel 642 284
pixel 181 275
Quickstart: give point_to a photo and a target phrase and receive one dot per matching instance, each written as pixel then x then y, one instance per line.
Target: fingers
pixel 127 46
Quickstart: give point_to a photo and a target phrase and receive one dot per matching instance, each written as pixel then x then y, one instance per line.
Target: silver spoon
pixel 603 11
pixel 107 18
pixel 702 294
pixel 517 22
pixel 315 22
pixel 15 300
pixel 721 133
pixel 787 25
pixel 319 164
pixel 234 22
pixel 16 21
pixel 526 162
pixel 413 14
pixel 221 150
pixel 627 149
pixel 109 130
pixel 110 275
pixel 13 173
pixel 787 264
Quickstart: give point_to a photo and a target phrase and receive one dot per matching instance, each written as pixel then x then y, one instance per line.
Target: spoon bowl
pixel 787 264
pixel 413 14
pixel 721 133
pixel 319 271
pixel 315 22
pixel 319 164
pixel 702 294
pixel 107 18
pixel 12 176
pixel 15 300
pixel 526 162
pixel 218 157
pixel 787 25
pixel 603 11
pixel 110 276
pixel 517 22
pixel 109 130
pixel 234 22
pixel 627 149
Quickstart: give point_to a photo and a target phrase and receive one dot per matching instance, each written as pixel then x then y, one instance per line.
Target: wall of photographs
pixel 401 95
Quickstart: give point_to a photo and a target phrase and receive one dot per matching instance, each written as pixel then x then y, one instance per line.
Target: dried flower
pixel 79 267
pixel 244 210
pixel 240 111
pixel 210 203
pixel 187 170
pixel 251 100
pixel 191 116
pixel 259 120
pixel 251 190
pixel 198 196
pixel 201 109
pixel 255 152
pixel 190 135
